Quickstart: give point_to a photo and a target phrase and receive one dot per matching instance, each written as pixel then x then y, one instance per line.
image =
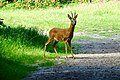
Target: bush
pixel 31 4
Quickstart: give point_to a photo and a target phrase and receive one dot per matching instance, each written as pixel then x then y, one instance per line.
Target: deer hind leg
pixel 69 44
pixel 50 40
pixel 54 46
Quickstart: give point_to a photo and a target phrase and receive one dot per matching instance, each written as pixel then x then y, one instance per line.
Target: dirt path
pixel 100 44
pixel 84 67
pixel 100 60
pixel 96 46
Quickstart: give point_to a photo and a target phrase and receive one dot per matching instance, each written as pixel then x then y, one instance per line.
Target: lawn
pixel 22 42
pixel 95 17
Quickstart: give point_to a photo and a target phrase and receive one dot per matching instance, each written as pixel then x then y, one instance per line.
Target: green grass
pixel 21 47
pixel 95 17
pixel 21 43
pixel 83 38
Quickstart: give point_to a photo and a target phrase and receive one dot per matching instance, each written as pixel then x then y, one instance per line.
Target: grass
pixel 83 38
pixel 20 48
pixel 94 18
pixel 22 42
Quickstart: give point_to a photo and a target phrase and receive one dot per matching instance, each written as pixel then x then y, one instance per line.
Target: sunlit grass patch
pixel 83 38
pixel 95 17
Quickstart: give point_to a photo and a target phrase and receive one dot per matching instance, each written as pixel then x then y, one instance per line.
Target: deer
pixel 64 35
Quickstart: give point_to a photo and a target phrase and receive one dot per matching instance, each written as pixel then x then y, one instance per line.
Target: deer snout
pixel 73 22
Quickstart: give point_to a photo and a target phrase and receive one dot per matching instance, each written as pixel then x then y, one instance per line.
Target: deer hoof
pixel 66 57
pixel 73 57
pixel 57 57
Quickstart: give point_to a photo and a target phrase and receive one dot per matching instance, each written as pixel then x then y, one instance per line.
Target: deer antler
pixel 72 14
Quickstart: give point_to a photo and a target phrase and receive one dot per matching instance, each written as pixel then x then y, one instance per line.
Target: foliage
pixel 31 4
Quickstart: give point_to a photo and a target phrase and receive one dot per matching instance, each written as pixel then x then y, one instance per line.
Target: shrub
pixel 31 4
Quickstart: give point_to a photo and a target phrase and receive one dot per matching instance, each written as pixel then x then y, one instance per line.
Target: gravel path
pixel 93 64
pixel 96 46
pixel 84 67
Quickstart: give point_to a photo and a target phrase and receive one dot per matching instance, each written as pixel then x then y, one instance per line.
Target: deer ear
pixel 69 16
pixel 76 16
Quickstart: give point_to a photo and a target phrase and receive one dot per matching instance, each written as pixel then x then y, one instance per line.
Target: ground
pixel 99 60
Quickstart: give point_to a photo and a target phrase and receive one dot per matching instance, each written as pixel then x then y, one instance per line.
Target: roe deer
pixel 64 35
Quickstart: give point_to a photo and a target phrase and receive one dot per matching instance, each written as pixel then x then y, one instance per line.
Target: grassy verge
pixel 19 48
pixel 84 38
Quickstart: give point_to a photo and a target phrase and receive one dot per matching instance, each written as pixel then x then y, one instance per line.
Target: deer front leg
pixel 66 49
pixel 69 42
pixel 54 46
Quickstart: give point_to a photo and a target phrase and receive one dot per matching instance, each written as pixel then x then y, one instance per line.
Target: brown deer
pixel 64 35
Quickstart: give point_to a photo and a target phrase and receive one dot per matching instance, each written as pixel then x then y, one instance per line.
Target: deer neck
pixel 71 29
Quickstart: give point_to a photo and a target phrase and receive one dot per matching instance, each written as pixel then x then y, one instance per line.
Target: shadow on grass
pixel 12 61
pixel 29 37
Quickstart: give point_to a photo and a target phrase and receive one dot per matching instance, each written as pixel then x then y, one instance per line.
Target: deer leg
pixel 69 42
pixel 66 49
pixel 50 40
pixel 54 46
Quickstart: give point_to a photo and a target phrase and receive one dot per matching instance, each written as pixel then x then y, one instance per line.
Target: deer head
pixel 73 18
